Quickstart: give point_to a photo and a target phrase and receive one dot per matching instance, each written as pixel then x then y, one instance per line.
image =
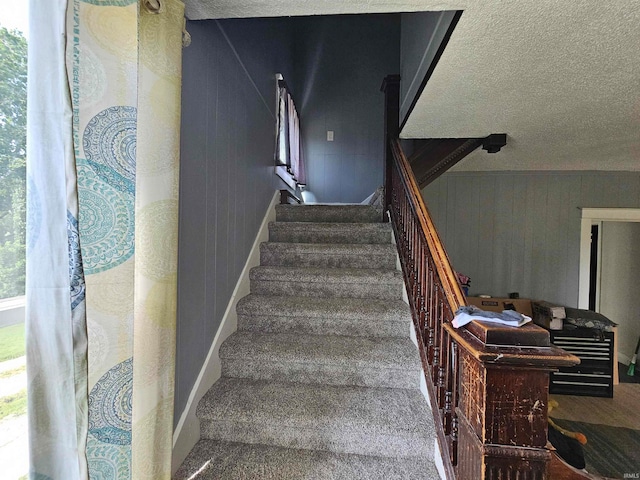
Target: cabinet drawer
pixel 594 375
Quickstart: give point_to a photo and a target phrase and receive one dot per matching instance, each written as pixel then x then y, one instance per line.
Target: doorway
pixel 610 271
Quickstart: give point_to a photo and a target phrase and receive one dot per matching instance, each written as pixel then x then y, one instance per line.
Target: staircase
pixel 321 380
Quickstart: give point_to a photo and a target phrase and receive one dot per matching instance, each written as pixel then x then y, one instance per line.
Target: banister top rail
pixel 454 294
pixel 510 354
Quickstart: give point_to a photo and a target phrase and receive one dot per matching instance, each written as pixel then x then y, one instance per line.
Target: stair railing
pixel 488 385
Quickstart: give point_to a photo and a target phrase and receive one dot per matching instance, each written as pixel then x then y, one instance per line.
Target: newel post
pixel 391 89
pixel 502 400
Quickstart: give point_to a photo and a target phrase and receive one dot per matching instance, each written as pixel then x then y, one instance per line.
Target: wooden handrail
pixel 488 384
pixel 454 294
pixel 286 197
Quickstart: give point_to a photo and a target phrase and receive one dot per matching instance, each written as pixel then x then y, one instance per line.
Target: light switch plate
pixel 329 135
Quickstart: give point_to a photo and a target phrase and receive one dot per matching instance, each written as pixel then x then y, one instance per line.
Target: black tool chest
pixel 594 375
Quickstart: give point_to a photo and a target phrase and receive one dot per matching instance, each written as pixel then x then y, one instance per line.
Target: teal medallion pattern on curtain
pixel 107 222
pixel 110 405
pixel 110 409
pixel 124 67
pixel 108 462
pixel 39 476
pixel 76 273
pixel 109 143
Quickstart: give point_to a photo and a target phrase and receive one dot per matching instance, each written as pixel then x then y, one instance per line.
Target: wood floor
pixel 623 410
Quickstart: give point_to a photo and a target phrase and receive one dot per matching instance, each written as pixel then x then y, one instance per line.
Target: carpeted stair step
pixel 388 422
pixel 321 379
pixel 328 213
pixel 212 460
pixel 326 282
pixel 324 316
pixel 307 232
pixel 328 255
pixel 385 362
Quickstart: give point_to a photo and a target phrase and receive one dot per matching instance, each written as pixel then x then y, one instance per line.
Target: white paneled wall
pixel 520 231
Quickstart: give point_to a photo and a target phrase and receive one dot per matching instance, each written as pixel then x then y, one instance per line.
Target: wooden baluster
pixel 407 220
pixel 413 254
pixel 432 316
pixel 436 335
pixel 447 384
pixel 416 235
pixel 397 192
pixel 401 219
pixel 394 193
pixel 422 288
pixel 405 228
pixel 453 448
pixel 403 204
pixel 441 389
pixel 403 223
pixel 416 267
pixel 416 258
pixel 443 355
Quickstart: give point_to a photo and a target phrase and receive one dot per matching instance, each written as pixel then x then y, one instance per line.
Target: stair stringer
pixel 187 432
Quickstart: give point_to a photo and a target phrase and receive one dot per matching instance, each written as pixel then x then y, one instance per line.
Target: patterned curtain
pixel 102 232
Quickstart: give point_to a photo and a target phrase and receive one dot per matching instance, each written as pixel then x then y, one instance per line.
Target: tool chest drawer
pixel 594 375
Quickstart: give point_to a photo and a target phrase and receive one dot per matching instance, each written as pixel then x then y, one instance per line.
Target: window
pixel 13 115
pixel 289 162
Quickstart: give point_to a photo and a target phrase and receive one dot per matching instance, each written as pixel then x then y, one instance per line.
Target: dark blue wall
pixel 340 64
pixel 226 172
pixel 228 140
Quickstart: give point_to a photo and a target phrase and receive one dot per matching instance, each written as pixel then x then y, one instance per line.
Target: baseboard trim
pixel 187 432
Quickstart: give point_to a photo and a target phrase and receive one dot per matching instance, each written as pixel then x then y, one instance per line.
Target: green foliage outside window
pixel 13 130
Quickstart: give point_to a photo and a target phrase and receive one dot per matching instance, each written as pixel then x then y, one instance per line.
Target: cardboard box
pixel 548 315
pixel 549 323
pixel 497 304
pixel 547 309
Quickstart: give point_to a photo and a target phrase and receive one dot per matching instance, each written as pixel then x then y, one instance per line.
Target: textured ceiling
pixel 562 79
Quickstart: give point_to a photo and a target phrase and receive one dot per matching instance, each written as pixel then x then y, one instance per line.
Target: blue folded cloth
pixel 468 313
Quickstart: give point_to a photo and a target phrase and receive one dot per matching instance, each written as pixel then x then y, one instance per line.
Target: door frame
pixel 589 217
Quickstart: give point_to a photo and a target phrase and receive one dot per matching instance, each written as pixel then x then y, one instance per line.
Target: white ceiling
pixel 562 79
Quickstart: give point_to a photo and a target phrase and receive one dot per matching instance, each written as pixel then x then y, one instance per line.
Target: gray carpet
pixel 321 380
pixel 233 461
